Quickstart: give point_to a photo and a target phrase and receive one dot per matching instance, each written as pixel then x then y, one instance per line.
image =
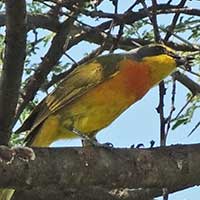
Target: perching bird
pixel 97 92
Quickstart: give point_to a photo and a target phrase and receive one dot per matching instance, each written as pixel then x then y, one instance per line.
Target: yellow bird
pixel 95 94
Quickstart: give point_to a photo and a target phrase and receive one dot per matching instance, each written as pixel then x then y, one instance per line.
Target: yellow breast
pixel 100 106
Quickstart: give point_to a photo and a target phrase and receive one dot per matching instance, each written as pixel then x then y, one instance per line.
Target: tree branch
pixel 94 193
pixel 93 35
pixel 167 167
pixel 48 62
pixel 174 21
pixel 15 52
pixel 187 82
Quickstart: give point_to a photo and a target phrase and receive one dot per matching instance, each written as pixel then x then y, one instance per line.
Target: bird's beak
pixel 179 60
pixel 185 61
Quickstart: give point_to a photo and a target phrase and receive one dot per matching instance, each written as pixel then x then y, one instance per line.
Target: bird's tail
pixel 6 194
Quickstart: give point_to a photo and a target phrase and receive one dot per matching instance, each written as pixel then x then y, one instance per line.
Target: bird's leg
pixel 80 134
pixel 90 141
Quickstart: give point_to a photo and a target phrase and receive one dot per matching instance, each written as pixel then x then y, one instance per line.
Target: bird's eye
pixel 172 54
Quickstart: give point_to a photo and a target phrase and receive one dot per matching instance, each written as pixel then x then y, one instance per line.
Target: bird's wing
pixel 77 83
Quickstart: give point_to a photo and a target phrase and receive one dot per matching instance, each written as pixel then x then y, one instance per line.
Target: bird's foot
pixel 91 141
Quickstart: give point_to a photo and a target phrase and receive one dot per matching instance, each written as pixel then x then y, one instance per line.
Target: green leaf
pixel 180 122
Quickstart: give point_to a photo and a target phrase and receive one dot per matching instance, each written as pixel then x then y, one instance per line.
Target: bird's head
pixel 162 60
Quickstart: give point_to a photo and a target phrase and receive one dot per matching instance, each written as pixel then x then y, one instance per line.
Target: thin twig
pixel 187 82
pixel 195 128
pixel 68 56
pixel 172 106
pixel 191 72
pixel 160 110
pixel 174 21
pixel 183 108
pixel 132 6
pixel 154 21
pixel 181 39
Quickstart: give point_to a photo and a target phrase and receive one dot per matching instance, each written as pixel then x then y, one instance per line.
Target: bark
pixel 187 82
pixel 92 35
pixel 13 64
pixel 80 169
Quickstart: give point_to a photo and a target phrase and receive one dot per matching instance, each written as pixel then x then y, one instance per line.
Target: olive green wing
pixel 77 83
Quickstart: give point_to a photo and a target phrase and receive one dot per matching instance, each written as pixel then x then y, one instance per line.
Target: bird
pixel 92 96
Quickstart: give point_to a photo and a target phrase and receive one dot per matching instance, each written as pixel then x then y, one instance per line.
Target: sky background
pixel 140 123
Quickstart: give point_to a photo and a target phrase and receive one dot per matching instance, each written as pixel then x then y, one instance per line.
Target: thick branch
pixel 13 64
pixel 94 193
pixel 42 21
pixel 166 167
pixel 57 193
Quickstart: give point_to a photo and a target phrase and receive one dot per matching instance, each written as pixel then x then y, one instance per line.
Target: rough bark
pixel 12 70
pixel 173 167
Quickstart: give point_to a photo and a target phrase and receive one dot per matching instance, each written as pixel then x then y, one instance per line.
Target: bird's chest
pixel 104 103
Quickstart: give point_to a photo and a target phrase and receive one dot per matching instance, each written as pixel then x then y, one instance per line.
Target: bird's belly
pixel 96 109
pixel 88 117
pixel 96 115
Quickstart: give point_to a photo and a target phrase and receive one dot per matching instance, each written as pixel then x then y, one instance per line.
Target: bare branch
pixel 15 52
pixel 160 110
pixel 155 22
pixel 78 167
pixel 174 21
pixel 187 82
pixel 173 95
pixel 48 62
pixel 94 193
pixel 91 34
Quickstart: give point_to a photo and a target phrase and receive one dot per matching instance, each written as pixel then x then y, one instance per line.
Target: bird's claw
pixel 93 142
pixel 106 145
pixel 137 146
